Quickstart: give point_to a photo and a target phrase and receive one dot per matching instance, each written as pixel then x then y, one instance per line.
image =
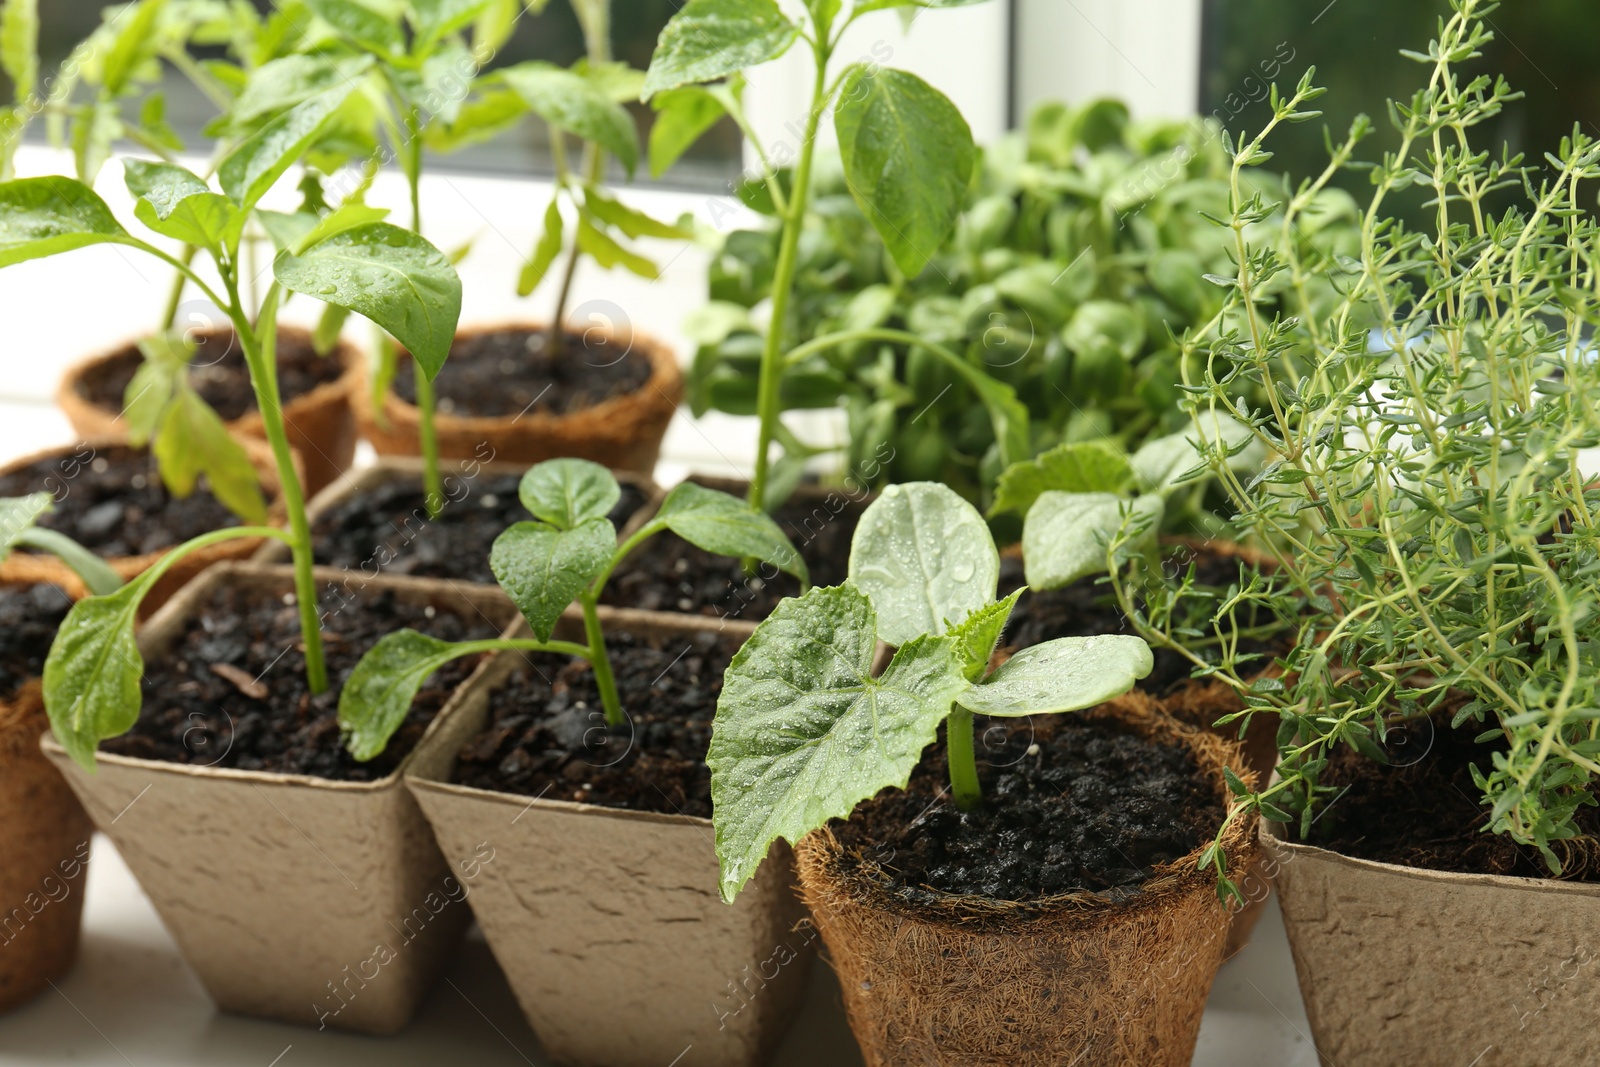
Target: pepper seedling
pixel 390 275
pixel 564 556
pixel 804 731
pixel 908 158
pixel 18 529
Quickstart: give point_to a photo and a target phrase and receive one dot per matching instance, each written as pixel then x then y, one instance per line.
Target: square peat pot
pixel 607 922
pixel 1404 965
pixel 301 899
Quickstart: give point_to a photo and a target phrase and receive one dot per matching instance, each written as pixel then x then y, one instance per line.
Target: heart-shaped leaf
pixel 1079 467
pixel 727 526
pixel 390 275
pixel 567 493
pixel 45 216
pixel 543 569
pixel 908 156
pixel 926 559
pixel 804 732
pixel 1065 535
pixel 1067 674
pixel 711 39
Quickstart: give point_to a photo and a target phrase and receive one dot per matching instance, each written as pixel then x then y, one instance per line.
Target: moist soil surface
pixel 1423 809
pixel 219 373
pixel 670 574
pixel 232 693
pixel 29 617
pixel 1069 805
pixel 386 528
pixel 1088 608
pixel 547 735
pixel 113 502
pixel 508 372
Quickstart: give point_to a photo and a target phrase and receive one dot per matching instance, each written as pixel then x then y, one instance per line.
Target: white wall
pixel 1145 51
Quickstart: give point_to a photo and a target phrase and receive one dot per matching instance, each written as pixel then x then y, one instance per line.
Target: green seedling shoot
pixel 564 556
pixel 19 528
pixel 804 731
pixel 347 258
pixel 908 157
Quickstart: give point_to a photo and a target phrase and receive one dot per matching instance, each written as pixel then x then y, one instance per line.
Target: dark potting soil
pixel 508 372
pixel 233 692
pixel 386 528
pixel 1423 809
pixel 113 502
pixel 1088 608
pixel 219 374
pixel 1068 805
pixel 29 618
pixel 547 735
pixel 670 574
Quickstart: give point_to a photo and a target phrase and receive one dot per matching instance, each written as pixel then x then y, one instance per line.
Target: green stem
pixel 262 359
pixel 964 785
pixel 769 404
pixel 427 398
pixel 594 170
pixel 601 661
pixel 508 644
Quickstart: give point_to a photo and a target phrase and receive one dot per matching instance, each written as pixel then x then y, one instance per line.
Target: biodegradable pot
pixel 623 433
pixel 306 900
pixel 320 424
pixel 41 567
pixel 1404 965
pixel 1077 979
pixel 607 922
pixel 404 468
pixel 44 837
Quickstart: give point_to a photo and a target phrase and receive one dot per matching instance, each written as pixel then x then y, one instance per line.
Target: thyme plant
pixel 564 556
pixel 1429 501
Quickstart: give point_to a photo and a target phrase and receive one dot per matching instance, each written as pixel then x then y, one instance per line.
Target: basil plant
pixel 907 156
pixel 564 556
pixel 19 517
pixel 804 731
pixel 347 257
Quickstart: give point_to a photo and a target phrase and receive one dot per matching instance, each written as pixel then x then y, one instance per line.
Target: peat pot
pixel 607 922
pixel 1080 978
pixel 320 422
pixel 1404 965
pixel 68 463
pixel 301 899
pixel 623 432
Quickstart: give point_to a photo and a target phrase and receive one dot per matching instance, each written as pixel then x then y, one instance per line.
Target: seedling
pixel 804 731
pixel 564 556
pixel 908 157
pixel 18 516
pixel 347 258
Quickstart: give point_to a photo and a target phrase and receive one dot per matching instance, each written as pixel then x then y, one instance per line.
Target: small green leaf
pixel 633 223
pixel 131 46
pixel 366 26
pixel 436 18
pixel 981 632
pixel 926 559
pixel 45 216
pixel 18 514
pixel 280 84
pixel 480 118
pixel 567 493
pixel 1081 467
pixel 377 696
pixel 545 252
pixel 1065 535
pixel 390 275
pixel 330 326
pixel 543 569
pixel 727 526
pixel 711 39
pixel 908 156
pixel 572 102
pixel 91 679
pixel 1067 674
pixel 255 165
pixel 286 230
pixel 1163 461
pixel 804 732
pixel 347 217
pixel 193 440
pixel 150 390
pixel 19 46
pixel 176 203
pixel 608 253
pixel 682 117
